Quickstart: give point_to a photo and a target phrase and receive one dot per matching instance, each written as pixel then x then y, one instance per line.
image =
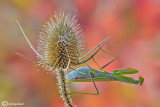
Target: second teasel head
pixel 60 42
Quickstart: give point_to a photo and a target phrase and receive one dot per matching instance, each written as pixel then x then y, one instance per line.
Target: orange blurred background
pixel 134 30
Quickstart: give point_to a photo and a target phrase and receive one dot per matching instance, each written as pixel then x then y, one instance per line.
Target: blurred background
pixel 134 30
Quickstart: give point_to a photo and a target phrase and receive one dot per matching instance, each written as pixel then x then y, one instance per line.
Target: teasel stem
pixel 63 87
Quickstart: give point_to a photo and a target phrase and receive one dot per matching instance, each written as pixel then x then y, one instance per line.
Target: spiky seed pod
pixel 60 46
pixel 60 41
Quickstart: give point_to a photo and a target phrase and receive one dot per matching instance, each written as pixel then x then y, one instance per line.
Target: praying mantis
pixel 82 75
pixel 88 74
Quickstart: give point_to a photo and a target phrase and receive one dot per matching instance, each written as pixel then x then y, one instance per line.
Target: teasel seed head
pixel 59 47
pixel 60 41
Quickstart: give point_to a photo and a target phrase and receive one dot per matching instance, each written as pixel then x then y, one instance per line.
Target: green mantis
pixel 88 74
pixel 82 75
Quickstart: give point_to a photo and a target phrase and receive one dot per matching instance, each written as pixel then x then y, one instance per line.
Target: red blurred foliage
pixel 86 7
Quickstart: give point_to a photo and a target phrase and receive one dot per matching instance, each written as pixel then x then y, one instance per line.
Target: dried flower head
pixel 60 41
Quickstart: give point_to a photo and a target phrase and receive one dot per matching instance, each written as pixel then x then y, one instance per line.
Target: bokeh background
pixel 134 30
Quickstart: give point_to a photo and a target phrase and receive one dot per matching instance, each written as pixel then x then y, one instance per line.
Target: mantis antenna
pixel 40 56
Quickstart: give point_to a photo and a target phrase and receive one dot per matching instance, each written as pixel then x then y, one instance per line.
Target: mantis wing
pixel 125 71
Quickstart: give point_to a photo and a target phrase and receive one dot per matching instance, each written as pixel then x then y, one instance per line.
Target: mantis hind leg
pixel 111 60
pixel 99 45
pixel 108 62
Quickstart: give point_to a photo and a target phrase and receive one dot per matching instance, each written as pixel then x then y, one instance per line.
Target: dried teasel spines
pixel 60 41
